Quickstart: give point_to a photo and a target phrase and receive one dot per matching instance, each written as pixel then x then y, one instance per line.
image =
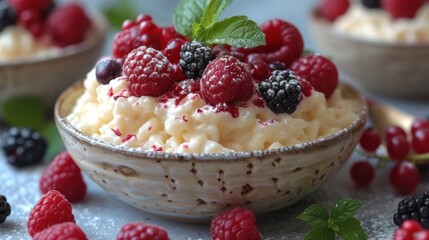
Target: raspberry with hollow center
pixel 64 176
pixel 148 72
pixel 319 71
pixel 284 43
pixel 141 231
pixel 61 231
pixel 51 209
pixel 226 79
pixel 238 223
pixel 131 38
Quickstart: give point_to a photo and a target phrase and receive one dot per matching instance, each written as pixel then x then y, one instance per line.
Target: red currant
pixel 420 141
pixel 149 27
pixel 393 131
pixel 172 50
pixel 404 177
pixel 398 147
pixel 259 70
pixel 362 173
pixel 411 226
pixel 370 140
pixel 143 17
pixel 418 124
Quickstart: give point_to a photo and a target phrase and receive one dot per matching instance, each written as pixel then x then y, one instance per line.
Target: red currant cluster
pixel 406 151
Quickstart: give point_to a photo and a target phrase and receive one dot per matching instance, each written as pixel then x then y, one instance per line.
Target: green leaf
pixel 236 31
pixel 320 233
pixel 187 12
pixel 24 111
pixel 315 215
pixel 213 11
pixel 118 13
pixel 55 143
pixel 344 209
pixel 332 225
pixel 351 229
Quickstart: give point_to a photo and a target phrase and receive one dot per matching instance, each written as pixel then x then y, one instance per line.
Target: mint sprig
pixel 340 221
pixel 198 20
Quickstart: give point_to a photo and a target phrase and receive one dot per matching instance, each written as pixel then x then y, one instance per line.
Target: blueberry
pixel 107 70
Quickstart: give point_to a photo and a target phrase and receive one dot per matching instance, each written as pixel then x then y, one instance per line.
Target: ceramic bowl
pixel 47 76
pixel 196 187
pixel 389 69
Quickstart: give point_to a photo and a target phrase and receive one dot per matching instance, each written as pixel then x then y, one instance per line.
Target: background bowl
pixel 389 69
pixel 47 77
pixel 196 187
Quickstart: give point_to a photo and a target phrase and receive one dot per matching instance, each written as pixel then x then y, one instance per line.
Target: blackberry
pixel 7 15
pixel 194 58
pixel 107 70
pixel 371 3
pixel 23 146
pixel 4 209
pixel 281 91
pixel 414 207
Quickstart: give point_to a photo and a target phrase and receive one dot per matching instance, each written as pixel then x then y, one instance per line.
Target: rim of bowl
pixel 100 26
pixel 212 157
pixel 319 21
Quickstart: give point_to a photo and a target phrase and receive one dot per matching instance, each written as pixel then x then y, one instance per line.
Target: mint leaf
pixel 55 143
pixel 24 111
pixel 320 233
pixel 344 209
pixel 237 31
pixel 351 229
pixel 118 13
pixel 187 12
pixel 213 11
pixel 315 215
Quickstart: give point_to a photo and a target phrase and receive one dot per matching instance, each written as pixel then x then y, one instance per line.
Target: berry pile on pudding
pixel 209 86
pixel 402 21
pixel 40 27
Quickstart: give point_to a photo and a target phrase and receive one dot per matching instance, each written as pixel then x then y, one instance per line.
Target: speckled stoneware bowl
pixel 195 187
pixel 389 69
pixel 46 77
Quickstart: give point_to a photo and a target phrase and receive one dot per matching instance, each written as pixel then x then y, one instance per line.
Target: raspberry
pixel 7 15
pixel 319 71
pixel 64 176
pixel 5 209
pixel 51 209
pixel 194 58
pixel 23 146
pixel 332 9
pixel 281 91
pixel 61 231
pixel 402 8
pixel 284 42
pixel 306 87
pixel 148 72
pixel 130 39
pixel 238 223
pixel 141 231
pixel 21 5
pixel 107 70
pixel 68 24
pixel 226 79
